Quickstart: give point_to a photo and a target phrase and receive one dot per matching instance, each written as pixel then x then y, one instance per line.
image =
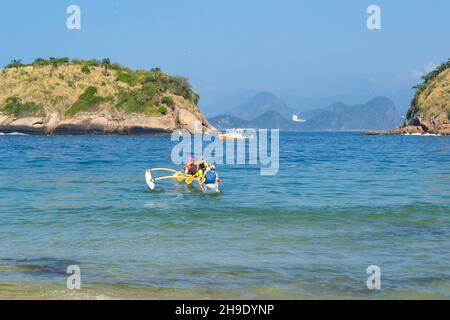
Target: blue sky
pixel 293 48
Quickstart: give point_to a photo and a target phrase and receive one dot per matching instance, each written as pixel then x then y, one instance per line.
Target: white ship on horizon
pixel 297 118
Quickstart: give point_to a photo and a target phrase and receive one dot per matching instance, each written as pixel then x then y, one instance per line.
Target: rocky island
pixel 63 96
pixel 429 112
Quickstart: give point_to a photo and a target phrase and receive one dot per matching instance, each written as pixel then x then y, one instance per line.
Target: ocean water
pixel 340 202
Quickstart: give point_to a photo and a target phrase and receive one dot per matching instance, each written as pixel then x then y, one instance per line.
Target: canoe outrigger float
pixel 179 176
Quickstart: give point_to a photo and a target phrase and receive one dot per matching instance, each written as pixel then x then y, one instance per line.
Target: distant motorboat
pixel 237 134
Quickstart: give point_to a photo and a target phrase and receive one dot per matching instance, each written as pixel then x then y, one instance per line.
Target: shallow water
pixel 340 202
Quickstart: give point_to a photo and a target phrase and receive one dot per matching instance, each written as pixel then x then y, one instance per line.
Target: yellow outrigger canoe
pixel 180 177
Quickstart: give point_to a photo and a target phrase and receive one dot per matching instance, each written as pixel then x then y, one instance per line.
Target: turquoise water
pixel 340 202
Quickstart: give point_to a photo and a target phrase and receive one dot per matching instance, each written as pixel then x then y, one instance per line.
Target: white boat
pixel 237 134
pixel 297 118
pixel 181 177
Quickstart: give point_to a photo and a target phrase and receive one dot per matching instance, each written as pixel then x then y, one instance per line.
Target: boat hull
pixel 211 188
pixel 224 137
pixel 206 188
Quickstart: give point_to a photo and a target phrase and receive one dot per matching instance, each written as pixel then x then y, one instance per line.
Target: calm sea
pixel 340 202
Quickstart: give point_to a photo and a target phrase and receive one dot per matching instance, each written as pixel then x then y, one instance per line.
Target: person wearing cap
pixel 211 176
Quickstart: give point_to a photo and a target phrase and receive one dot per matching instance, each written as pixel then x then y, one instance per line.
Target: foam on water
pixel 12 134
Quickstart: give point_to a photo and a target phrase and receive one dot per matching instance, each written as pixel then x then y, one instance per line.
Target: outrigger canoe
pixel 151 178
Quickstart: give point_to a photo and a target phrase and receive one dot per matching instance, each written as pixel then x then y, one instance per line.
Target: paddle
pixel 189 179
pixel 180 176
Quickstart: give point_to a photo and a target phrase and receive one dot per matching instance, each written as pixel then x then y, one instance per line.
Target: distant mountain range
pixel 377 114
pixel 226 104
pixel 260 104
pixel 266 110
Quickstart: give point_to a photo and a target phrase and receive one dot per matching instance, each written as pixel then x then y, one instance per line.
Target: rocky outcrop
pixel 95 123
pixel 422 127
pixel 29 125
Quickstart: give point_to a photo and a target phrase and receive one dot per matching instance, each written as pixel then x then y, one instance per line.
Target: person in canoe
pixel 191 167
pixel 211 178
pixel 199 169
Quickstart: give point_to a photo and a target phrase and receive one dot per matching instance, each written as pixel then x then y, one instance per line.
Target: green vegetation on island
pixel 15 107
pixel 432 97
pixel 146 92
pixel 86 102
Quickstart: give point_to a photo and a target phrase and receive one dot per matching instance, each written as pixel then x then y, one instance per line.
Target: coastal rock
pixel 5 120
pixel 31 125
pixel 437 125
pixel 188 121
pixel 96 124
pixel 108 124
pixel 407 129
pixel 148 125
pixel 442 129
pixel 413 122
pixel 52 122
pixel 103 123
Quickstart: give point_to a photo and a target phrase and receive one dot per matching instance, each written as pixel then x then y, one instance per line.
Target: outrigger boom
pixel 151 181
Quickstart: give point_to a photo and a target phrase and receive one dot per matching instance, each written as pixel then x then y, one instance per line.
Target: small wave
pixel 13 134
pixel 423 134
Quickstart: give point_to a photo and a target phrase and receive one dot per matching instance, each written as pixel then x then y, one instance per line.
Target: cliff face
pixel 59 96
pixel 430 108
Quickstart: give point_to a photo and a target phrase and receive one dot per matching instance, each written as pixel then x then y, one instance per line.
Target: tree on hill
pixel 40 62
pixel 15 63
pixel 53 62
pixel 106 63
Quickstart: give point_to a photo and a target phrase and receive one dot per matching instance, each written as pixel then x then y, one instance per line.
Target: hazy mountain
pixel 377 114
pixel 227 122
pixel 225 103
pixel 273 120
pixel 302 103
pixel 309 114
pixel 308 107
pixel 267 120
pixel 260 104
